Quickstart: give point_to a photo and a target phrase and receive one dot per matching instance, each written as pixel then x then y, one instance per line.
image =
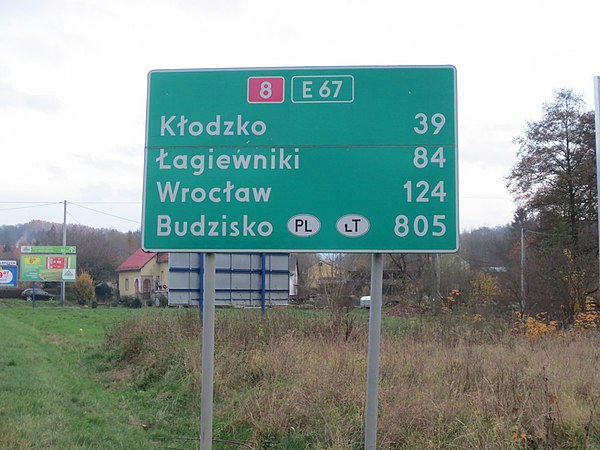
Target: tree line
pixel 99 250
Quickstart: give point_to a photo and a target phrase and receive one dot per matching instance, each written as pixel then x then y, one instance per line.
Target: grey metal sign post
pixel 373 351
pixel 208 352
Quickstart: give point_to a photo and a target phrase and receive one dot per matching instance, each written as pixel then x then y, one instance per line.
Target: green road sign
pixel 355 159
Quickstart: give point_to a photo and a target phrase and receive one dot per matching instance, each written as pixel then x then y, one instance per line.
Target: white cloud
pixel 10 97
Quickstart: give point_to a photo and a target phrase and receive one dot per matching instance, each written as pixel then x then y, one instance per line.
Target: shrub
pixel 484 287
pixel 588 319
pixel 83 289
pixel 10 293
pixel 131 302
pixel 446 381
pixel 163 301
pixel 104 292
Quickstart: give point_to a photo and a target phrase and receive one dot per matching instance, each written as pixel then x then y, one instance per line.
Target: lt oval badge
pixel 352 225
pixel 304 225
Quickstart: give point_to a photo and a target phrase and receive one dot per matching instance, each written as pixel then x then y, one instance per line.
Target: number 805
pixel 420 226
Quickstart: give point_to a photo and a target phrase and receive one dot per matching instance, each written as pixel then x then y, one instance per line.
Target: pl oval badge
pixel 304 225
pixel 353 225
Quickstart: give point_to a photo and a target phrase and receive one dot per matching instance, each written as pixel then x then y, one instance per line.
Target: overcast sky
pixel 73 82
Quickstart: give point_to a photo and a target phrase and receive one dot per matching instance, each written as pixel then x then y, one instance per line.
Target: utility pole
pixel 435 280
pixel 438 278
pixel 522 269
pixel 597 98
pixel 64 243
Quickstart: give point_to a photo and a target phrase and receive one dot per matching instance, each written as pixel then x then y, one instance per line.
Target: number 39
pixel 437 120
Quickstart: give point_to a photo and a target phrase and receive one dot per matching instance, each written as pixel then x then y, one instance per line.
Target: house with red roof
pixel 144 275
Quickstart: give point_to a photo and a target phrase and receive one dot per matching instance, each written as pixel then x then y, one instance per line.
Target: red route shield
pixel 266 90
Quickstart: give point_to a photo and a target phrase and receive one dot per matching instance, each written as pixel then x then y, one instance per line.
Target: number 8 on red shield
pixel 266 90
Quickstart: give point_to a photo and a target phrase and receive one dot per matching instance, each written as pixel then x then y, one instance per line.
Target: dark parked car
pixel 40 294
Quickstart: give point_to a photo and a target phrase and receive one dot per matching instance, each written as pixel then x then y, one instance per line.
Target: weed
pixel 296 380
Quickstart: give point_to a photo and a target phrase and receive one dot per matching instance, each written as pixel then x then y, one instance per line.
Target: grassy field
pixel 59 388
pixel 47 397
pixel 74 378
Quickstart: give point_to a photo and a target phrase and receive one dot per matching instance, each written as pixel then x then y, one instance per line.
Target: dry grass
pixel 298 377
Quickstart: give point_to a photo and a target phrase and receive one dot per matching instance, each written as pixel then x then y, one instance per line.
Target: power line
pixel 484 197
pixel 81 203
pixel 73 217
pixel 33 205
pixel 105 213
pixel 545 234
pixel 105 203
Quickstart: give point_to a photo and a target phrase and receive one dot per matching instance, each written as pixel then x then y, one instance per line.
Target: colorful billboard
pixel 48 263
pixel 8 274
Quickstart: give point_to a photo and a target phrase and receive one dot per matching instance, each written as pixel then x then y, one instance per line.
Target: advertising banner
pixel 47 263
pixel 8 274
pixel 51 249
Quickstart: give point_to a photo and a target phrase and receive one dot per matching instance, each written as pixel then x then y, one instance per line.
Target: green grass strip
pixel 48 400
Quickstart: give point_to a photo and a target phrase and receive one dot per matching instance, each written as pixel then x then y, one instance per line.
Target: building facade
pixel 144 275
